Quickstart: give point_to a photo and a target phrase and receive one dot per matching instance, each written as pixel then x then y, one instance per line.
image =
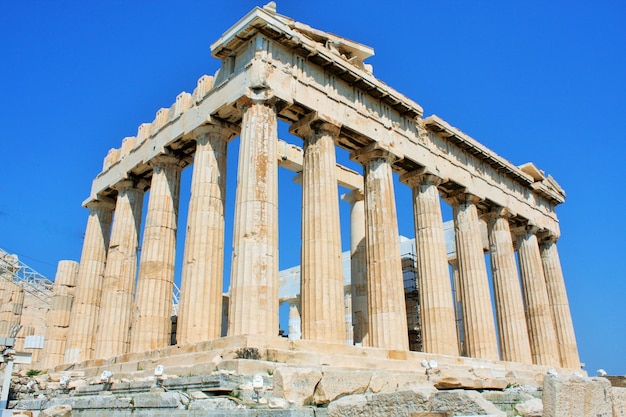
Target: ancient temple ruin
pixel 274 68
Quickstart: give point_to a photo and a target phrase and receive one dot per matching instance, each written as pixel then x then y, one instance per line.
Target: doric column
pixel 385 301
pixel 80 339
pixel 478 323
pixel 323 317
pixel 200 309
pixel 458 306
pixel 512 330
pixel 11 308
pixel 295 320
pixel 543 343
pixel 563 326
pixel 254 279
pixel 358 272
pixel 435 292
pixel 120 273
pixel 58 319
pixel 152 325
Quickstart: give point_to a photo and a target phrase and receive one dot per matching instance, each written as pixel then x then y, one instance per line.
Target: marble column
pixel 323 316
pixel 561 316
pixel 435 292
pixel 512 330
pixel 458 306
pixel 58 319
pixel 120 273
pixel 254 278
pixel 295 320
pixel 152 323
pixel 358 272
pixel 478 322
pixel 80 339
pixel 385 301
pixel 11 309
pixel 543 343
pixel 200 309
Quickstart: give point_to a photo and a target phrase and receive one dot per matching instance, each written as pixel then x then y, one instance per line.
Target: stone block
pixel 464 403
pixel 384 382
pixel 213 404
pixel 158 400
pixel 619 401
pixel 338 383
pixel 530 407
pixel 576 396
pixel 296 385
pixel 57 411
pixel 373 405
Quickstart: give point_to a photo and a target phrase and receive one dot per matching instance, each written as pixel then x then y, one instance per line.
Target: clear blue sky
pixel 534 81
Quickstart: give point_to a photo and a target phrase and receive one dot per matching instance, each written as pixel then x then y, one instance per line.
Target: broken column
pixel 385 286
pixel 322 294
pixel 152 323
pixel 435 292
pixel 120 273
pixel 80 339
pixel 200 308
pixel 254 279
pixel 58 319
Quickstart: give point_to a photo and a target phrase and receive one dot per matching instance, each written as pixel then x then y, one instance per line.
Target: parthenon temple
pixel 510 311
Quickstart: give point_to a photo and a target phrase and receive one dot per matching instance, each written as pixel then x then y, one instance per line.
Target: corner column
pixel 435 292
pixel 58 319
pixel 120 273
pixel 563 326
pixel 543 343
pixel 478 323
pixel 512 330
pixel 86 305
pixel 322 294
pixel 254 279
pixel 200 309
pixel 152 323
pixel 358 270
pixel 385 300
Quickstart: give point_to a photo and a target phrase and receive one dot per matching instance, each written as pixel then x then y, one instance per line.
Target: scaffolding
pixel 411 297
pixel 11 268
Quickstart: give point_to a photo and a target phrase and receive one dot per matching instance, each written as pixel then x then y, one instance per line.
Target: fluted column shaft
pixel 385 301
pixel 512 330
pixel 323 314
pixel 200 309
pixel 478 323
pixel 120 273
pixel 80 339
pixel 543 343
pixel 254 279
pixel 58 319
pixel 435 292
pixel 358 270
pixel 152 324
pixel 563 326
pixel 11 308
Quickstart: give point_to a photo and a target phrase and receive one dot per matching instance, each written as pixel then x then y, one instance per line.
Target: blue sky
pixel 534 81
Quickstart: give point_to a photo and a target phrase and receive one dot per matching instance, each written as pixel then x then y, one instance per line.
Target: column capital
pixel 546 236
pixel 127 184
pixel 525 229
pixel 461 196
pixel 166 159
pixel 101 203
pixel 496 212
pixel 353 196
pixel 226 130
pixel 372 152
pixel 420 176
pixel 244 102
pixel 314 123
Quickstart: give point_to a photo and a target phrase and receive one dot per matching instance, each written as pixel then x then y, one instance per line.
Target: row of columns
pixel 104 304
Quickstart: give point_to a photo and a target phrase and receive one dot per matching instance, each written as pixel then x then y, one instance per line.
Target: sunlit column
pixel 86 305
pixel 478 322
pixel 120 273
pixel 200 309
pixel 435 292
pixel 386 304
pixel 152 323
pixel 543 342
pixel 254 279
